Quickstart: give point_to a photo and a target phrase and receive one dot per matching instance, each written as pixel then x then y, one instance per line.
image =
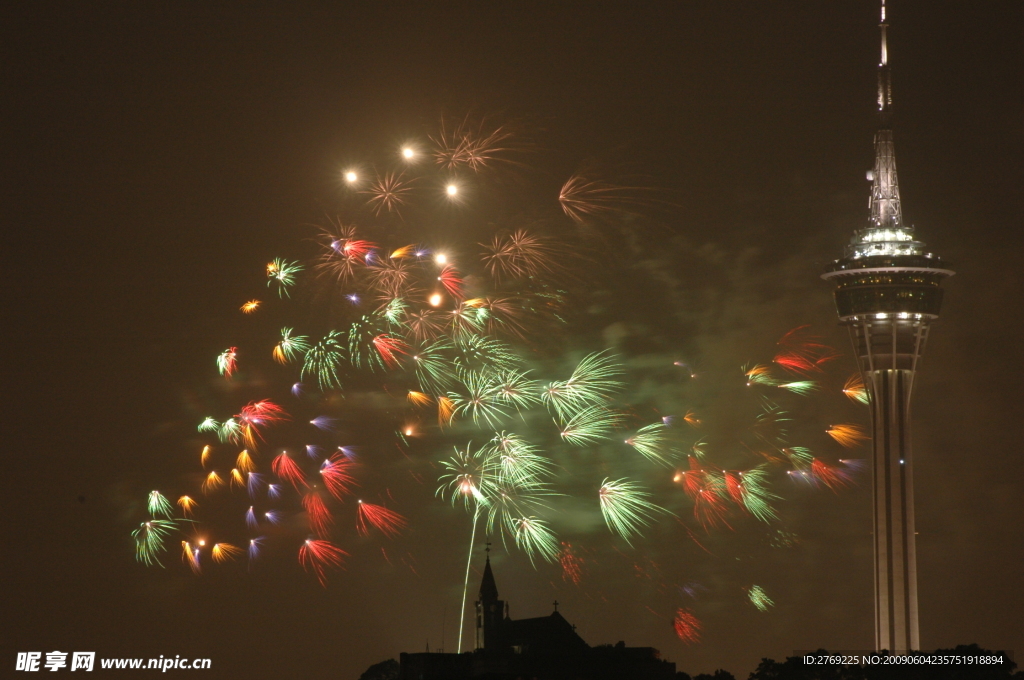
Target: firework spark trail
pixel 589 426
pixel 759 375
pixel 159 505
pixel 388 347
pixel 585 196
pixel 318 555
pixel 212 483
pixel 759 598
pixel 336 472
pixel 831 476
pixel 594 381
pixel 320 519
pixel 625 507
pixel 388 192
pixel 190 556
pixel 847 435
pixel 451 279
pixel 476 145
pixel 520 255
pixel 749 489
pixel 388 522
pixel 283 273
pixel 187 506
pixel 244 462
pixel 290 347
pixel 286 468
pixel 323 360
pixel 225 552
pixel 687 626
pixel 802 353
pixel 150 539
pixel 571 563
pixel 480 400
pixel 855 390
pixel 651 441
pixel 227 362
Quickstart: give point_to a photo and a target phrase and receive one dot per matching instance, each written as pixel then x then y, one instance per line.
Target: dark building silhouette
pixel 541 648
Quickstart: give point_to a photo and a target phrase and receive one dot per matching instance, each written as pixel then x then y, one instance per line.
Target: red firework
pixel 451 279
pixel 687 626
pixel 829 475
pixel 337 476
pixel 286 468
pixel 318 555
pixel 389 522
pixel 802 353
pixel 572 564
pixel 320 519
pixel 387 346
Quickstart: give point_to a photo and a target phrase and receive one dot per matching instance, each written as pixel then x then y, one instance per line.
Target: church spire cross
pixel 556 605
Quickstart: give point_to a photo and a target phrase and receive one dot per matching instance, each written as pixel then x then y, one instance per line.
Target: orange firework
pixel 212 483
pixel 222 552
pixel 445 410
pixel 190 555
pixel 855 390
pixel 186 504
pixel 403 252
pixel 847 435
pixel 250 306
pixel 419 398
pixel 244 462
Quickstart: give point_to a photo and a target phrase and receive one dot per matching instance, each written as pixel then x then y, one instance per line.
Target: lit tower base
pixel 888 293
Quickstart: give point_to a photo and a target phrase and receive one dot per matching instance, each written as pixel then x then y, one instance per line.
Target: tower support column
pixel 896 627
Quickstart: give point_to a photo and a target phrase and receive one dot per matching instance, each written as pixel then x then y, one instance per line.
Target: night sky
pixel 157 156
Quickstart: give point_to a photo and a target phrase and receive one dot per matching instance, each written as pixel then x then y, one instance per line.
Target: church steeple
pixel 488 588
pixel 490 612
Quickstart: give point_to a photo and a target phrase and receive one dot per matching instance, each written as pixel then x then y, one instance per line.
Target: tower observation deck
pixel 887 291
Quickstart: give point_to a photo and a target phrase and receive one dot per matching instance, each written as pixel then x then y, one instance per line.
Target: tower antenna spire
pixel 886 220
pixel 884 76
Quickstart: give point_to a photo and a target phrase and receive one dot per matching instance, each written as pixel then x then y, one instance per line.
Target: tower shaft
pixel 888 354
